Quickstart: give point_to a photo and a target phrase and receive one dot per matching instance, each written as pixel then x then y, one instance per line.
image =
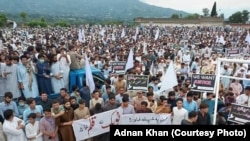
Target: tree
pixel 174 16
pixel 214 11
pixel 236 17
pixel 205 12
pixel 3 19
pixel 245 16
pixel 239 17
pixel 23 15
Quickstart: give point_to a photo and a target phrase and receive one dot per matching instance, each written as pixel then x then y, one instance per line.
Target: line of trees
pixel 237 17
pixel 24 19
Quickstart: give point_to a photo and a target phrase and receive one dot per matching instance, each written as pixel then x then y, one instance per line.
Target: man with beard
pixel 65 123
pixel 10 75
pixel 8 104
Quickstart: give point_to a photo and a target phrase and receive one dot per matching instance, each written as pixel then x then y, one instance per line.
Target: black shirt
pixel 45 104
pixel 186 122
pixel 203 120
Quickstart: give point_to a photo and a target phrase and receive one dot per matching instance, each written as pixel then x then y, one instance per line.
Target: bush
pixel 37 23
pixel 3 19
pixel 61 24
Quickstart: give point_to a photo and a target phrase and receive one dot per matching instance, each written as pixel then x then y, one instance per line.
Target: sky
pixel 228 7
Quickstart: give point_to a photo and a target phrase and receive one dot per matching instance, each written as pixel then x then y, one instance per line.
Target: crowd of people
pixel 35 62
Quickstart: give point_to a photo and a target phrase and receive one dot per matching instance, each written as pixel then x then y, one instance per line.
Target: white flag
pixel 123 33
pixel 102 32
pixel 248 38
pixel 14 25
pixel 83 35
pixel 152 69
pixel 222 40
pixel 169 79
pixel 116 58
pixel 137 31
pixel 113 37
pixel 157 34
pixel 80 38
pixel 145 48
pixel 89 77
pixel 130 62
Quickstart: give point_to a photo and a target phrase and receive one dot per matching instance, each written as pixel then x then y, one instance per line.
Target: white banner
pixel 100 123
pixel 146 119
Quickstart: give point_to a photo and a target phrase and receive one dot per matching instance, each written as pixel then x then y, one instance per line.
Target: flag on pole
pixel 145 48
pixel 14 25
pixel 169 79
pixel 89 77
pixel 248 38
pixel 157 34
pixel 221 40
pixel 123 33
pixel 152 69
pixel 113 37
pixel 116 58
pixel 130 62
pixel 80 38
pixel 83 35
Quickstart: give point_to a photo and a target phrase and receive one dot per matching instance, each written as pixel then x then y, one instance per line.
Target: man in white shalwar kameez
pixel 2 85
pixel 56 75
pixel 10 75
pixel 65 62
pixel 13 127
pixel 27 79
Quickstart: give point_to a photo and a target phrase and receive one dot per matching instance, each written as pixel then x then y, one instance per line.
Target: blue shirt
pixel 38 109
pixel 21 109
pixel 211 104
pixel 12 105
pixel 155 87
pixel 190 106
pixel 118 98
pixel 104 92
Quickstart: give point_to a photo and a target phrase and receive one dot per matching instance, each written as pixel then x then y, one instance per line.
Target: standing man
pixel 48 127
pixel 10 75
pixel 13 127
pixel 64 60
pixel 26 78
pixel 75 58
pixel 57 75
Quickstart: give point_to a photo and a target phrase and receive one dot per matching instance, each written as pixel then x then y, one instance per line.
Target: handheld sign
pixel 203 83
pixel 137 82
pixel 239 114
pixel 118 67
pixel 231 52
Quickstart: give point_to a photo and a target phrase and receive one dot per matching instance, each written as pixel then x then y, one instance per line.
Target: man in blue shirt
pixel 8 104
pixel 33 108
pixel 189 104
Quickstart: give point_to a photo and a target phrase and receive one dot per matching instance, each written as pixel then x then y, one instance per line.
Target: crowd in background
pixel 35 62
